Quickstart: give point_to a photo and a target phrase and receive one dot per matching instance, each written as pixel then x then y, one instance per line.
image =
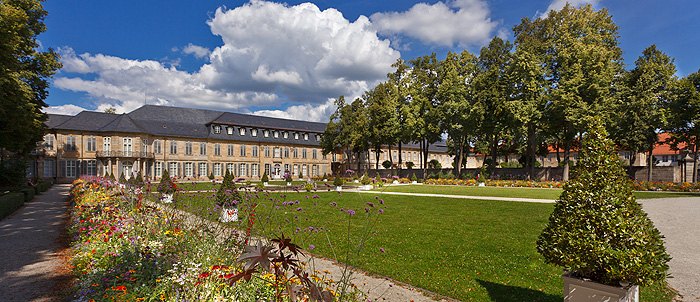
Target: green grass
pixel 471 250
pixel 534 193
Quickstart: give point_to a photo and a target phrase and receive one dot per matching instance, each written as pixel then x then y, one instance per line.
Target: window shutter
pixel 247 169
pixel 179 169
pixel 63 169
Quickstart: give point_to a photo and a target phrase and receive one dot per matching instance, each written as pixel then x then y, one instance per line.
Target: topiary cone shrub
pixel 597 229
pixel 228 192
pixel 166 185
pixel 264 177
pixel 337 181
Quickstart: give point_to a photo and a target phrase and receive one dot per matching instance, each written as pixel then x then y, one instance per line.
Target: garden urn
pixel 228 214
pixel 166 198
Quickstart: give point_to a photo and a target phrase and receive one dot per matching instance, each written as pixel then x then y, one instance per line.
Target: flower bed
pixel 497 183
pixel 125 247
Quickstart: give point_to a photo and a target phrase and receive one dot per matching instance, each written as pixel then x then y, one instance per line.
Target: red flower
pixel 204 275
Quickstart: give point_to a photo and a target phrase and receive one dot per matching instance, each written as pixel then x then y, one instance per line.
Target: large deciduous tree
pixel 24 75
pixel 424 104
pixel 684 123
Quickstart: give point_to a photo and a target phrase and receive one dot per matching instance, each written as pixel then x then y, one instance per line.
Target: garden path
pixel 678 219
pixel 29 247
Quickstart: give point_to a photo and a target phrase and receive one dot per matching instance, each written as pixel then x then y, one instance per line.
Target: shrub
pixel 211 175
pixel 288 177
pixel 122 178
pixel 301 176
pixel 413 177
pixel 13 173
pixel 166 185
pixel 9 203
pixel 338 181
pixel 446 175
pixel 28 193
pixel 511 164
pixel 227 194
pixel 309 186
pixel 264 178
pixel 409 165
pixel 386 164
pixel 434 164
pixel 481 178
pixel 366 180
pixel 597 229
pixel 325 176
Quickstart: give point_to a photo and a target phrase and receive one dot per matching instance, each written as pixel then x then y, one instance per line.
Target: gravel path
pixel 29 248
pixel 678 219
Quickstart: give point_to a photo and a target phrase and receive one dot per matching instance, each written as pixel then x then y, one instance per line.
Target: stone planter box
pixel 414 182
pixel 481 184
pixel 338 188
pixel 289 184
pixel 166 198
pixel 265 184
pixel 228 214
pixel 396 182
pixel 366 187
pixel 579 290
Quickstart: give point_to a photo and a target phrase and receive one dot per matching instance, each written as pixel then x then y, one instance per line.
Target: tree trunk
pixel 650 163
pixel 531 150
pixel 424 147
pixel 558 157
pixel 400 160
pixel 695 156
pixel 459 158
pixel 567 154
pixel 494 160
pixel 377 157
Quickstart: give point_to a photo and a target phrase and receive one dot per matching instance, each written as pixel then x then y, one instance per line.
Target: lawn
pixel 535 193
pixel 471 250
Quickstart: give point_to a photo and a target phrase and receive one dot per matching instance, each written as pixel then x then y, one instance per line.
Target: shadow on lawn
pixel 507 293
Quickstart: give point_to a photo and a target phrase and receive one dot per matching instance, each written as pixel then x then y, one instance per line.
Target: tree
pixel 647 94
pixel 347 128
pixel 111 110
pixel 492 92
pixel 684 123
pixel 460 116
pixel 597 229
pixel 24 76
pixel 582 64
pixel 382 119
pixel 400 81
pixel 424 105
pixel 227 194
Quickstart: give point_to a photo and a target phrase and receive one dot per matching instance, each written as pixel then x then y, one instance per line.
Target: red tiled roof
pixel 662 148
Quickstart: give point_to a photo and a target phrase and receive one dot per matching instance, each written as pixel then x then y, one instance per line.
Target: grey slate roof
pixel 197 123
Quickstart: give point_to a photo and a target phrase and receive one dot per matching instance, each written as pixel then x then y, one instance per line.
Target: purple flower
pixel 299 209
pixel 333 204
pixel 311 247
pixel 380 211
pixel 371 205
pixel 351 212
pixel 382 250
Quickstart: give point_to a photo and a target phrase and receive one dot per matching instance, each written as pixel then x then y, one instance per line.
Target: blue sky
pixel 291 59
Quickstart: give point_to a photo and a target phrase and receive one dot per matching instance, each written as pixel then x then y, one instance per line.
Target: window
pixel 241 131
pixel 230 149
pixel 188 148
pixel 202 169
pixel 91 142
pixel 217 129
pixel 189 169
pixel 277 152
pixel 285 134
pixel 324 156
pixel 173 147
pixel 229 130
pixel 172 169
pixel 314 170
pixel 91 168
pixel 254 170
pixel 664 158
pixel 49 168
pixel 318 137
pixel 70 144
pixel 48 143
pixel 126 146
pixel 286 168
pixel 267 169
pixel 217 169
pixel 217 150
pixel 286 152
pixel 242 169
pixel 306 136
pixel 71 168
pixel 242 150
pixel 314 154
pixel 158 169
pixel 295 153
pixel 202 148
pixel 275 134
pixel 296 135
pixel 267 151
pixel 157 147
pixel 266 133
pixel 229 168
pixel 305 170
pixel 254 132
pixel 295 170
pixel 145 145
pixel 255 151
pixel 303 153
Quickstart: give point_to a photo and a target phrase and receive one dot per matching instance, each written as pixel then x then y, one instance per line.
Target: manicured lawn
pixel 535 193
pixel 471 250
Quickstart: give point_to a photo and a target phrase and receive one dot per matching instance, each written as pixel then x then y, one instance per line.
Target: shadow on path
pixel 506 293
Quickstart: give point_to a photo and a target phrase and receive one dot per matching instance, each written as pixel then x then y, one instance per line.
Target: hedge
pixel 28 193
pixel 9 203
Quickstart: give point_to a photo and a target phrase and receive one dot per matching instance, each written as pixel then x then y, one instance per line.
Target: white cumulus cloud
pixel 196 50
pixel 68 109
pixel 306 112
pixel 556 5
pixel 457 22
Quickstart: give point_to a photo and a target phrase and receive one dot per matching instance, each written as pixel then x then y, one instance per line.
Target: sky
pixel 292 59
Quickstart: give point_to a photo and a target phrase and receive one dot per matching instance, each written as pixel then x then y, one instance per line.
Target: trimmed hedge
pixel 44 186
pixel 28 193
pixel 10 202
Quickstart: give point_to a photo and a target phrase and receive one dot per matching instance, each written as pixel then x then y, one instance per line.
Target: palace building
pixel 192 144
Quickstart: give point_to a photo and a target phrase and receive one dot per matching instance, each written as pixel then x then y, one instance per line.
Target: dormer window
pixel 306 136
pixel 266 133
pixel 296 135
pixel 217 129
pixel 254 132
pixel 241 131
pixel 318 137
pixel 229 130
pixel 285 134
pixel 275 134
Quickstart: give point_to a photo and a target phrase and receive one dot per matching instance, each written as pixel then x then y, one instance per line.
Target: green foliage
pixel 409 165
pixel 227 192
pixel 338 181
pixel 166 185
pixel 511 164
pixel 309 187
pixel 138 179
pixel 325 176
pixel 288 177
pixel 264 177
pixel 12 173
pixel 481 178
pixel 597 228
pixel 386 164
pixel 413 177
pixel 122 178
pixel 434 164
pixel 211 175
pixel 24 76
pixel 301 176
pixel 9 203
pixel 365 179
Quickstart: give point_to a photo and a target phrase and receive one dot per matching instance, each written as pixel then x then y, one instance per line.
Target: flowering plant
pixel 166 185
pixel 288 177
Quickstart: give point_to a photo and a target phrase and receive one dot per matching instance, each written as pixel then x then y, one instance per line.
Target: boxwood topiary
pixel 228 192
pixel 338 181
pixel 597 229
pixel 166 185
